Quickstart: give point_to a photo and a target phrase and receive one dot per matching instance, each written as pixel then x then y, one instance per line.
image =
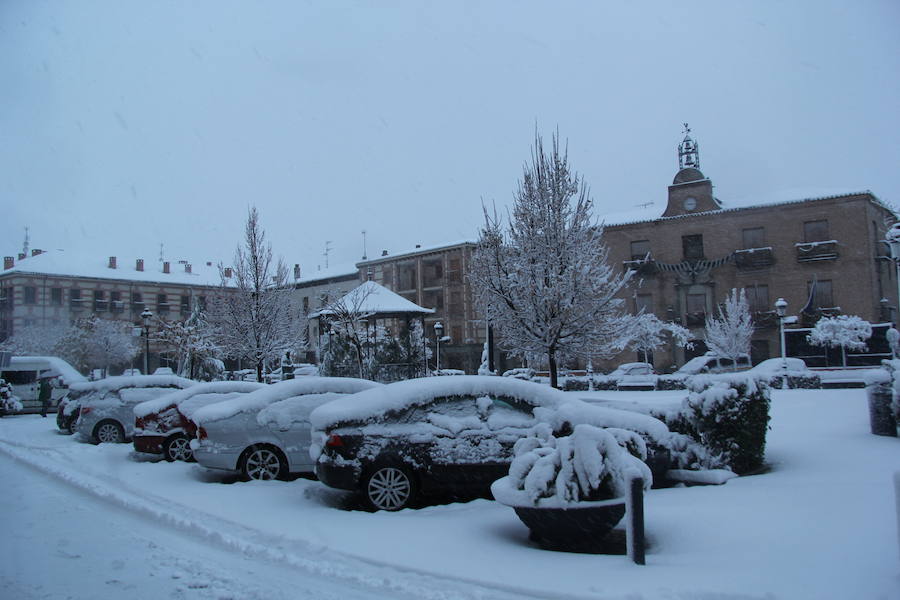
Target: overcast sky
pixel 127 124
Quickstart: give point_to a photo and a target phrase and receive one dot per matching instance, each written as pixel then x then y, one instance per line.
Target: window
pixel 30 294
pixel 406 274
pixel 454 270
pixel 822 296
pixel 137 301
pixel 643 303
pixel 75 298
pixel 640 249
pixel 305 305
pixel 56 296
pixel 815 231
pixel 185 305
pixel 754 237
pixel 433 299
pixel 162 304
pixel 692 246
pixel 99 300
pixel 456 303
pixel 201 301
pixel 696 309
pixel 758 297
pixel 432 272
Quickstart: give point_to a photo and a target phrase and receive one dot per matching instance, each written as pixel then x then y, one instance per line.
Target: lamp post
pixel 438 333
pixel 145 317
pixel 781 311
pixel 893 240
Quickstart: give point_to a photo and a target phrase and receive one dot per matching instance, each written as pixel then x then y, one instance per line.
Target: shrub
pixel 729 416
pixel 575 384
pixel 8 403
pixel 523 373
pixel 670 382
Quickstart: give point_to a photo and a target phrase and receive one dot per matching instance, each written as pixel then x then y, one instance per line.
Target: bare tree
pixel 544 282
pixel 253 310
pixel 730 333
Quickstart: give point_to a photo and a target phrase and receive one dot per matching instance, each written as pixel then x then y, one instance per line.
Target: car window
pixel 454 406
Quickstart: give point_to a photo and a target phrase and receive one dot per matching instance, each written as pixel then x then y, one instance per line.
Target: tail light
pixel 86 410
pixel 138 423
pixel 201 434
pixel 334 441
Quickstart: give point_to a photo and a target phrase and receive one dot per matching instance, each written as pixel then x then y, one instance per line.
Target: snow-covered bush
pixel 590 464
pixel 893 367
pixel 847 332
pixel 523 373
pixel 729 416
pixel 8 402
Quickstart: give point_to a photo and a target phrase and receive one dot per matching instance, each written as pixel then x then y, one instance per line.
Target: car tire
pixel 178 447
pixel 109 432
pixel 263 463
pixel 389 486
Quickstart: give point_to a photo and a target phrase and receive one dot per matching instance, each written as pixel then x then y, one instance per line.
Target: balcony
pixel 117 306
pixel 765 319
pixel 750 259
pixel 76 303
pixel 162 309
pixel 695 319
pixel 812 251
pixel 101 306
pixel 644 267
pixel 137 307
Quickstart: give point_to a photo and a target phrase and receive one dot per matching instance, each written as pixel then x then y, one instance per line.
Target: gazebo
pixel 368 304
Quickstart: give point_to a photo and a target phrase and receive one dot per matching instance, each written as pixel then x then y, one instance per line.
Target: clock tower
pixel 690 192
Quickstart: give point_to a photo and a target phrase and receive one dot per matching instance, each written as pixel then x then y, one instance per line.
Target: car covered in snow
pixel 634 374
pixel 450 434
pixel 106 412
pixel 163 425
pixel 266 434
pixel 713 363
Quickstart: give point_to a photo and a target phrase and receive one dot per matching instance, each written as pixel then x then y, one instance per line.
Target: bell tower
pixel 691 191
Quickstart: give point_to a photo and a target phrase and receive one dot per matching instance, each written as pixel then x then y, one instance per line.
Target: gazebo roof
pixel 371 298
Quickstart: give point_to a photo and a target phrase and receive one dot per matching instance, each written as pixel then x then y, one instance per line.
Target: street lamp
pixel 438 332
pixel 145 317
pixel 781 311
pixel 893 240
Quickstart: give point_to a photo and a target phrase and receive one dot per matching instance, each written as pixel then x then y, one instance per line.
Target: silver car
pixel 106 411
pixel 266 434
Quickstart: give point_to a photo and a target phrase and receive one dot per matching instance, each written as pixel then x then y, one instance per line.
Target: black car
pixel 448 434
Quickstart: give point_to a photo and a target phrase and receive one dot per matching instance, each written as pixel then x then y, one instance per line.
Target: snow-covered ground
pixel 821 524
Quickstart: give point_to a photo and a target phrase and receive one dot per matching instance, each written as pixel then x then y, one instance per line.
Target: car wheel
pixel 109 432
pixel 389 487
pixel 263 463
pixel 178 447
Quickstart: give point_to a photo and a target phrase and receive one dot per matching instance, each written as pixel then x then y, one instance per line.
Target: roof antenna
pixel 364 244
pixel 327 250
pixel 25 244
pixel 161 255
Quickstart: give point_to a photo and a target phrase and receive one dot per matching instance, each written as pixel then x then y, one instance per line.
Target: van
pixel 713 363
pixel 24 373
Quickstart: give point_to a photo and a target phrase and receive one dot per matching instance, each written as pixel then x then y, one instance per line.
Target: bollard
pixel 635 516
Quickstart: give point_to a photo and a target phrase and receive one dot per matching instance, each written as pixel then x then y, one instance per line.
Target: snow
pixel 132 381
pixel 820 525
pixel 371 404
pixel 374 298
pixel 709 476
pixel 72 263
pixel 55 365
pixel 177 398
pixel 284 413
pixel 282 390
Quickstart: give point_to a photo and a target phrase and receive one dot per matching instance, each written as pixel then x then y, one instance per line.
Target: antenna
pixel 25 243
pixel 327 250
pixel 645 205
pixel 364 244
pixel 161 255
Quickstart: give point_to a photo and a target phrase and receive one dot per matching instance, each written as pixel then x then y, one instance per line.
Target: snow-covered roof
pixel 175 398
pixel 653 212
pixel 66 263
pixel 374 298
pixel 335 272
pixel 372 404
pixel 282 390
pixel 53 364
pixel 133 381
pixel 417 250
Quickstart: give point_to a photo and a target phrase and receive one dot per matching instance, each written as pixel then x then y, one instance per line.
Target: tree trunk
pixel 551 358
pixel 259 370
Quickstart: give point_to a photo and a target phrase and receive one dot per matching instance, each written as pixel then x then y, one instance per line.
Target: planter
pixel 881 415
pixel 575 529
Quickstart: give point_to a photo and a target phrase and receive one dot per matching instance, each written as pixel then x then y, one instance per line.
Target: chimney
pixel 418 246
pixel 22 256
pixel 228 272
pixel 187 267
pixel 36 251
pixel 8 262
pixel 384 252
pixel 112 262
pixel 296 271
pixel 139 266
pixel 209 263
pixel 166 267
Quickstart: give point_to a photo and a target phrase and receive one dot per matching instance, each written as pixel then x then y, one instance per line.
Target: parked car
pixel 106 411
pixel 163 425
pixel 266 434
pixel 634 375
pixel 23 374
pixel 713 363
pixel 67 411
pixel 397 442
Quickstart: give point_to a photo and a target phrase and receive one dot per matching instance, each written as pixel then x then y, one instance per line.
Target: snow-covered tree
pixel 253 312
pixel 893 338
pixel 847 332
pixel 95 343
pixel 191 342
pixel 483 367
pixel 730 333
pixel 34 340
pixel 9 403
pixel 545 282
pixel 647 333
pixel 348 320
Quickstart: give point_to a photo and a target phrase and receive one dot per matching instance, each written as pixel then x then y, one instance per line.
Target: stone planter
pixel 580 528
pixel 881 415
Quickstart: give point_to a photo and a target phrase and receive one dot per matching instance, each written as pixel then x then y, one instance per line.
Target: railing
pixel 810 251
pixel 644 267
pixel 754 258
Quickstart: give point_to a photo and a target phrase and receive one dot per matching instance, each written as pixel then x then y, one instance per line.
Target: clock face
pixel 690 203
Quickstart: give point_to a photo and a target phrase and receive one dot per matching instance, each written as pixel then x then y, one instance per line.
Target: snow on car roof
pixel 282 390
pixel 133 381
pixel 374 403
pixel 213 387
pixel 293 410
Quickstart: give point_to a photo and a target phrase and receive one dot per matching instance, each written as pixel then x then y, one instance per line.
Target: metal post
pixel 146 349
pixel 635 516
